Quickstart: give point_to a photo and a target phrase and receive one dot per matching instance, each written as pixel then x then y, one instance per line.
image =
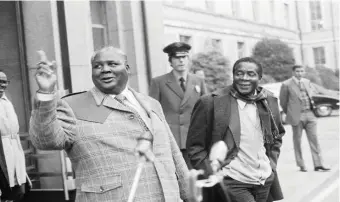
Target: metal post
pixel 64 175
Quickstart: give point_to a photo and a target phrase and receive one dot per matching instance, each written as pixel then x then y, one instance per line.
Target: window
pixel 255 10
pixel 316 17
pixel 99 24
pixel 235 7
pixel 185 39
pixel 319 56
pixel 240 49
pixel 286 15
pixel 217 44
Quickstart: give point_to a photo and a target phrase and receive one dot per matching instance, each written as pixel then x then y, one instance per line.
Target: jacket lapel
pixel 174 86
pixel 295 88
pixel 307 87
pixel 234 122
pixel 221 116
pixel 145 103
pixel 226 115
pixel 114 104
pixel 189 89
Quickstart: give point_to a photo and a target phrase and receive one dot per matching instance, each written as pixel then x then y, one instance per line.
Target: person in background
pixel 296 103
pixel 178 91
pixel 13 176
pixel 246 118
pixel 106 132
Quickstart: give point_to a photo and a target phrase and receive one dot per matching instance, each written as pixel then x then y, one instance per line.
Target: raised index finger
pixel 43 57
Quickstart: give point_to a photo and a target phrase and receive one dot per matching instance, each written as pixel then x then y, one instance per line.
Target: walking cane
pixel 136 179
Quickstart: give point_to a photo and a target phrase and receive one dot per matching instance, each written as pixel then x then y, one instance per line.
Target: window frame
pixel 319 55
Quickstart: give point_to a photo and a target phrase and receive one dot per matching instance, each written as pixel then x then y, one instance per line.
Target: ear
pixel 127 68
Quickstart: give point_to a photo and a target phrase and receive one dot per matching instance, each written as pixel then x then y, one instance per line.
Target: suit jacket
pixel 215 117
pixel 290 98
pixel 176 104
pixel 100 135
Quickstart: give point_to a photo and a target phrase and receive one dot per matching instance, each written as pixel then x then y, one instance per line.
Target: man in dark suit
pixel 178 91
pixel 246 117
pixel 296 102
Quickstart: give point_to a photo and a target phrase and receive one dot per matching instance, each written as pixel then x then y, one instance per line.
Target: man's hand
pixel 45 76
pixel 144 149
pixel 218 154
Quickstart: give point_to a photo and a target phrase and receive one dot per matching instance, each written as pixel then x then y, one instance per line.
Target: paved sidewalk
pixel 304 187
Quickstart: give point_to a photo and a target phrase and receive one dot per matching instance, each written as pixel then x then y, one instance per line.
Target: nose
pixel 106 68
pixel 245 77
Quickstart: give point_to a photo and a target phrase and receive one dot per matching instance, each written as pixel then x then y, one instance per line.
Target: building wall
pixel 218 22
pixel 327 36
pixel 205 20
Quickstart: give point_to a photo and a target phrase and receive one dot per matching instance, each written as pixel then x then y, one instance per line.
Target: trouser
pixel 186 158
pixel 308 121
pixel 244 192
pixel 15 193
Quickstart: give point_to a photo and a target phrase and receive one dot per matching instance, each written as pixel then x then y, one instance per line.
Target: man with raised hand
pixel 103 129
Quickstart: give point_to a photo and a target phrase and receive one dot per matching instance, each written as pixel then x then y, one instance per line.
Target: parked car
pixel 325 104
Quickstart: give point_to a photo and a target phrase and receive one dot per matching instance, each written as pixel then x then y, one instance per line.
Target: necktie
pixel 182 83
pixel 123 100
pixel 300 85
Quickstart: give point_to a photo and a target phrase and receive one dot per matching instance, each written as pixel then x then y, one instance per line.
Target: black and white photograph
pixel 169 100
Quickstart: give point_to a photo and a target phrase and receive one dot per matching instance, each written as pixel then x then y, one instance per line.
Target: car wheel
pixel 283 117
pixel 322 110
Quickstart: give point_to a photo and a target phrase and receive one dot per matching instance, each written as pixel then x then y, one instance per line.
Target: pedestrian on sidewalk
pixel 297 103
pixel 13 176
pixel 178 91
pixel 106 132
pixel 246 117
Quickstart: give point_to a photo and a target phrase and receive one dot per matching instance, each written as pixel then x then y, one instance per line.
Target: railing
pixel 35 174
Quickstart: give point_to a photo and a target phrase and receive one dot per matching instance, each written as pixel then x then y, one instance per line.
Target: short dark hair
pixel 250 60
pixel 296 67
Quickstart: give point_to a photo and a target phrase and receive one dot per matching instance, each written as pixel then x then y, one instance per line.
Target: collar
pixel 4 97
pixel 99 96
pixel 243 104
pixel 177 76
pixel 297 80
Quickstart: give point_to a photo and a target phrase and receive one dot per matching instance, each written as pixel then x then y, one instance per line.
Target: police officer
pixel 178 91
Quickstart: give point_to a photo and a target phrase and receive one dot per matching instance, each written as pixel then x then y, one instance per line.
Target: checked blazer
pixel 99 135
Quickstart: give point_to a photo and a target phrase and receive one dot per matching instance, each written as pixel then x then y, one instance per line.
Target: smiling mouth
pixel 107 80
pixel 244 85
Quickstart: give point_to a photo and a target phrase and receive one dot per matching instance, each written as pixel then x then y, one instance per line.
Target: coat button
pixel 131 116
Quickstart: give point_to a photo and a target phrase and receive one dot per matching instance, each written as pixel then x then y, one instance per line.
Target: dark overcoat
pixel 215 117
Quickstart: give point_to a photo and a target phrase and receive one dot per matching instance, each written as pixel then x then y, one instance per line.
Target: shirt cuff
pixel 45 97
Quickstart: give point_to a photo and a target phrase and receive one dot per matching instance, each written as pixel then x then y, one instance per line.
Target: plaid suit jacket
pixel 99 134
